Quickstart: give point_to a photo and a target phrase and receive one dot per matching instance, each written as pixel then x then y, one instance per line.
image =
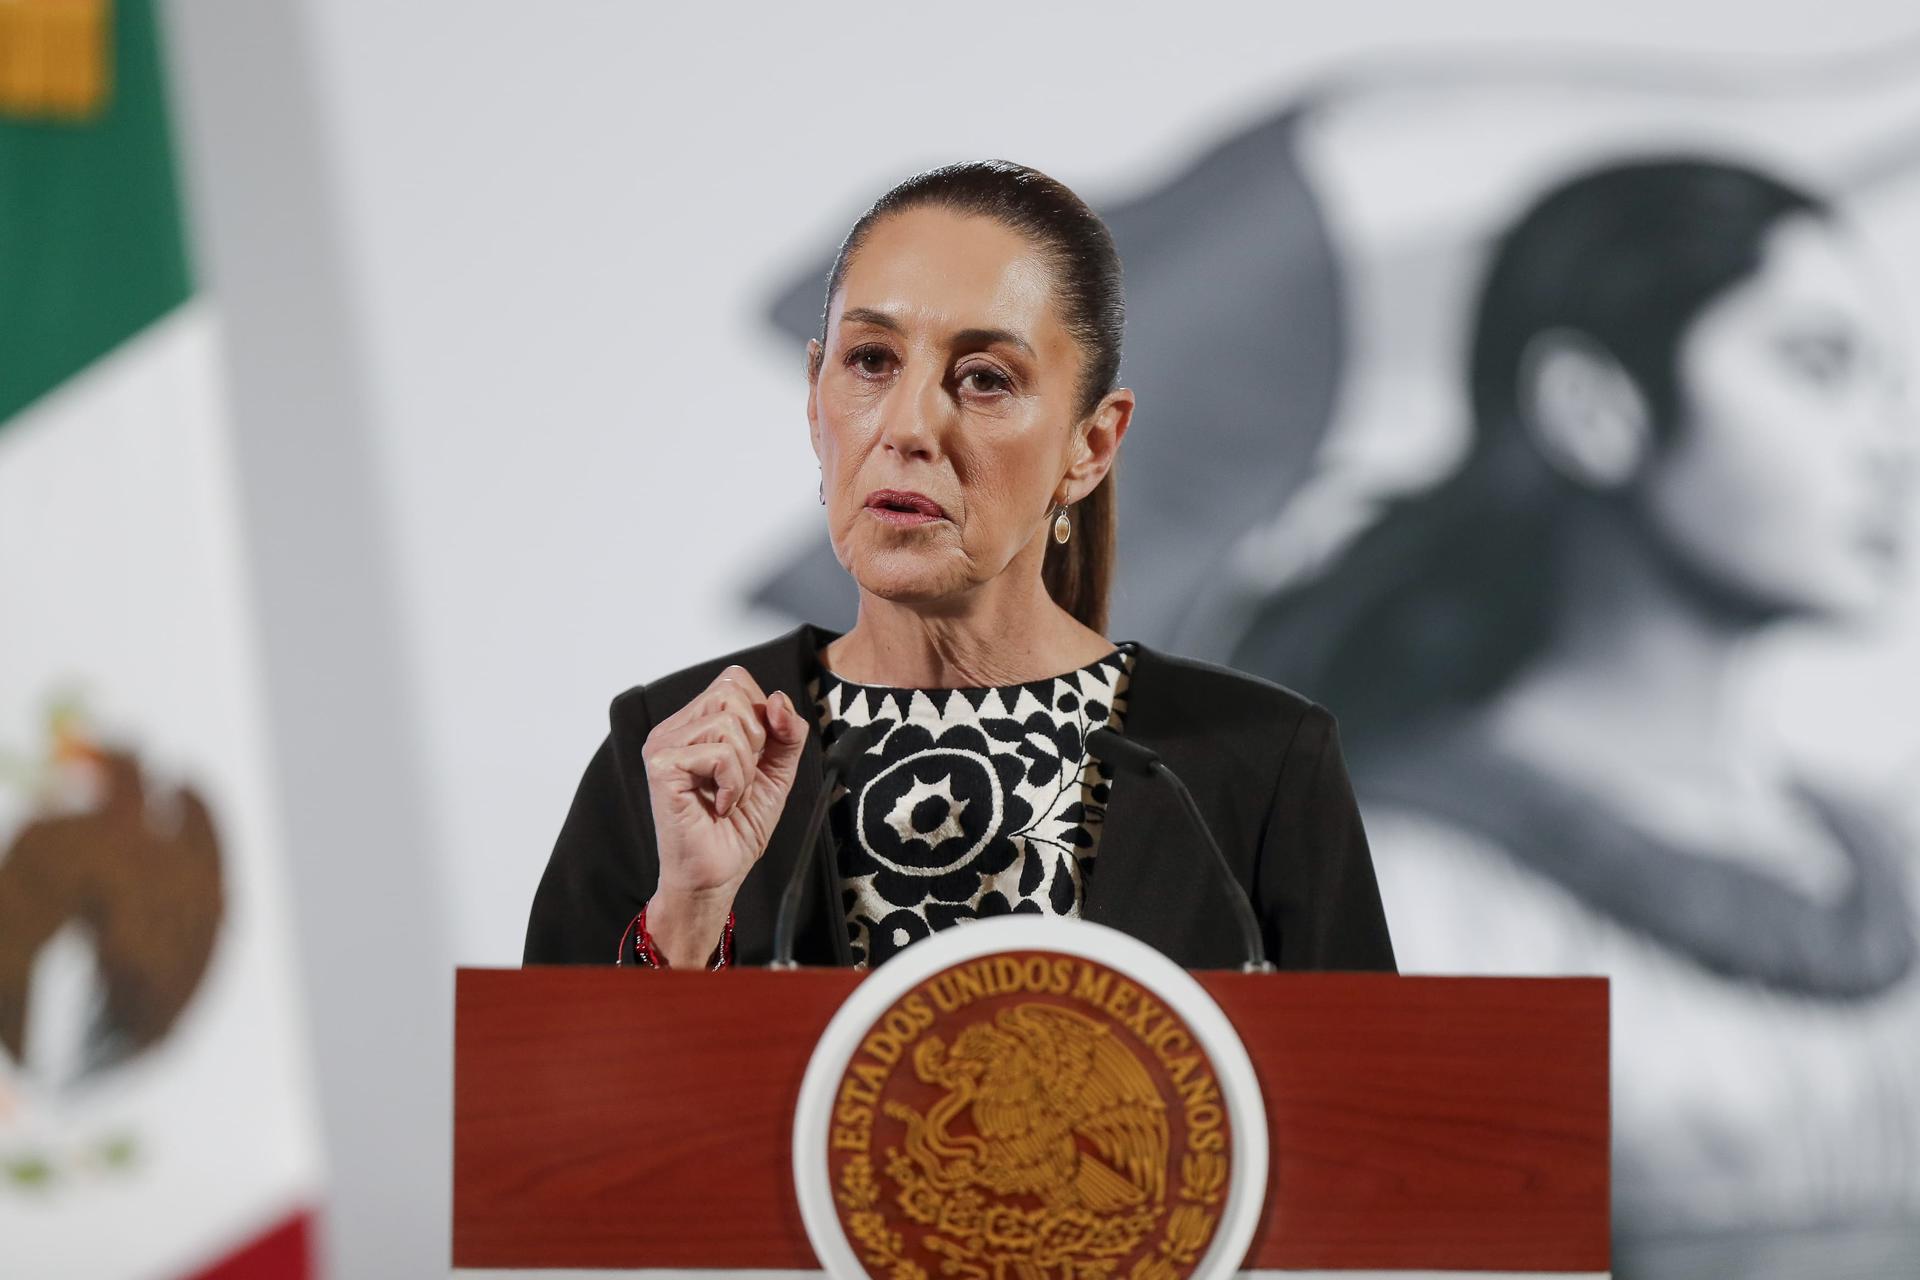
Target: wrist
pixel 686 928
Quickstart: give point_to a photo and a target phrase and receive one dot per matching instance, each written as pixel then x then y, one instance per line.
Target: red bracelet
pixel 648 952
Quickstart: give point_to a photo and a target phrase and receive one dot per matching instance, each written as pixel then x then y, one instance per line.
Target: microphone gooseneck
pixel 839 758
pixel 1129 756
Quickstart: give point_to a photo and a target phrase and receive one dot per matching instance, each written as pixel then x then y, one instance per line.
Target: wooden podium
pixel 608 1118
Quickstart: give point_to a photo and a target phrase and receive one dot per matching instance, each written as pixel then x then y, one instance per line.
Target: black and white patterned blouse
pixel 974 802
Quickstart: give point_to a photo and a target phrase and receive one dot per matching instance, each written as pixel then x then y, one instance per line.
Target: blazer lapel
pixel 787 663
pixel 1143 882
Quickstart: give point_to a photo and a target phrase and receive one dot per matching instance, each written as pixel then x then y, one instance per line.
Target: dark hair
pixel 1086 269
pixel 1452 591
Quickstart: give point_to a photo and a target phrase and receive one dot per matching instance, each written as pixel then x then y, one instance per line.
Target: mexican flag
pixel 155 1115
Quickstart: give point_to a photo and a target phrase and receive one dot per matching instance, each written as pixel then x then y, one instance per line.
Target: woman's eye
pixel 871 361
pixel 1821 361
pixel 985 381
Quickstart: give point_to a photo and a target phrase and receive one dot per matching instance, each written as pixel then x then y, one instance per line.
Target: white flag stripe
pixel 122 580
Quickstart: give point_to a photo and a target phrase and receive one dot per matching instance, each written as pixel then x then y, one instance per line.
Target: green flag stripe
pixel 92 243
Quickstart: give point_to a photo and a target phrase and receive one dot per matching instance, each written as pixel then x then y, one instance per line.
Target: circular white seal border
pixel 1232 1069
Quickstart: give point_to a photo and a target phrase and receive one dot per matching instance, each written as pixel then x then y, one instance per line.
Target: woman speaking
pixel 962 401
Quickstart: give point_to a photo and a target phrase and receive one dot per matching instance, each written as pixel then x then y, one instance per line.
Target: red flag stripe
pixel 284 1252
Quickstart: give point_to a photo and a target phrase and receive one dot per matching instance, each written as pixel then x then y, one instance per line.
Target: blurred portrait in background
pixel 1689 426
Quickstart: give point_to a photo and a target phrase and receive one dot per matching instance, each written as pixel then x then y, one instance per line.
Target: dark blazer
pixel 1263 762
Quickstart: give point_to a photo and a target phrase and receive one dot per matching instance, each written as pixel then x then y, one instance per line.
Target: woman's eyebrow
pixel 987 337
pixel 867 315
pixel 964 338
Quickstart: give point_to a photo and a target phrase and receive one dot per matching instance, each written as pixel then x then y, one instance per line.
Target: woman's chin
pixel 1865 602
pixel 1844 595
pixel 905 579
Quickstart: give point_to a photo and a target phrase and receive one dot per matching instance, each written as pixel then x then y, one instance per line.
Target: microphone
pixel 840 756
pixel 1129 756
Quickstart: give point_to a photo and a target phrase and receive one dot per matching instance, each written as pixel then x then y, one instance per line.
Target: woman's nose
pixel 915 417
pixel 1892 453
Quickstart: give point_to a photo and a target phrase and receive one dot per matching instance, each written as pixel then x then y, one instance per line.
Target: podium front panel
pixel 617 1120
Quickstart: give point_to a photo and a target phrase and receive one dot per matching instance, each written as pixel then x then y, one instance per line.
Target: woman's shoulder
pixel 1255 740
pixel 783 662
pixel 1225 694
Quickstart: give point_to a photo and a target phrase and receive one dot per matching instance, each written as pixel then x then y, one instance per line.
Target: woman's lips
pixel 903 507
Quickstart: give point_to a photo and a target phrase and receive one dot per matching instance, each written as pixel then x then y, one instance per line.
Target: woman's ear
pixel 815 352
pixel 1583 410
pixel 1098 444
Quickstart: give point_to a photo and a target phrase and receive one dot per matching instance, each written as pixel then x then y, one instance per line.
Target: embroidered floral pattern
pixel 974 802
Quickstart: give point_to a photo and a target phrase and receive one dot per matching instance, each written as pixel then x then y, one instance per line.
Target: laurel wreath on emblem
pixel 1034 1081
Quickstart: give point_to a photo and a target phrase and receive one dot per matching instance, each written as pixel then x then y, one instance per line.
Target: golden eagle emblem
pixel 1026 1115
pixel 1059 1108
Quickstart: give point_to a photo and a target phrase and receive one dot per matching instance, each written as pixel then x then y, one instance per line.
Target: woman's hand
pixel 718 774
